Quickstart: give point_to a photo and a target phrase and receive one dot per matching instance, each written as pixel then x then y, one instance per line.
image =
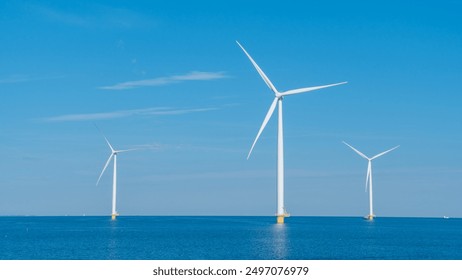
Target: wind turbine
pixel 114 180
pixel 278 96
pixel 369 175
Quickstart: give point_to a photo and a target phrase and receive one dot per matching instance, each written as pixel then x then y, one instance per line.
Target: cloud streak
pixel 191 76
pixel 159 111
pixel 14 79
pixel 94 16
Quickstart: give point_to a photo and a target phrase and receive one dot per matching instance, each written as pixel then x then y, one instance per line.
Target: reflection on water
pixel 112 246
pixel 280 241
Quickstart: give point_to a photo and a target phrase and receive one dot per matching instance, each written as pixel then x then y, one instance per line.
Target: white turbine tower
pixel 278 96
pixel 369 176
pixel 114 182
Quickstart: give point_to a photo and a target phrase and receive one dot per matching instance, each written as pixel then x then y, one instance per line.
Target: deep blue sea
pixel 224 238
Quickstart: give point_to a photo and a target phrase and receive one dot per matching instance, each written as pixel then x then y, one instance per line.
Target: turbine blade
pixel 265 121
pixel 358 152
pixel 104 169
pixel 300 90
pixel 127 150
pixel 368 176
pixel 262 74
pixel 381 154
pixel 107 141
pixel 109 144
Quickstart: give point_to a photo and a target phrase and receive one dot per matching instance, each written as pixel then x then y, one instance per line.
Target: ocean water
pixel 223 238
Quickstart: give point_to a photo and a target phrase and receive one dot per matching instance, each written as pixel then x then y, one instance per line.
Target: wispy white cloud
pixel 60 16
pixel 153 146
pixel 94 16
pixel 13 79
pixel 191 76
pixel 125 113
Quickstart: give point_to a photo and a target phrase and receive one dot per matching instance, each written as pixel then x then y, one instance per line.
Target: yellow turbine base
pixel 369 217
pixel 113 216
pixel 280 219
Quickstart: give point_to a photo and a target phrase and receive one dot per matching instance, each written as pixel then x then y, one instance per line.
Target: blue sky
pixel 168 76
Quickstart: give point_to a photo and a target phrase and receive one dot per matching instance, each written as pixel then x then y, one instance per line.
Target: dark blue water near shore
pixel 241 238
